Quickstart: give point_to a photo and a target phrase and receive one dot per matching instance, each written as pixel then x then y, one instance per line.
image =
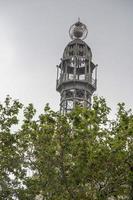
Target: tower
pixel 76 73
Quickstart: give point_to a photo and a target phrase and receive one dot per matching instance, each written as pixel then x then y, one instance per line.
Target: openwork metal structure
pixel 76 73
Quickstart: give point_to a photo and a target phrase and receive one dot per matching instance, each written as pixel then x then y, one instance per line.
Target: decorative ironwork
pixel 76 73
pixel 78 30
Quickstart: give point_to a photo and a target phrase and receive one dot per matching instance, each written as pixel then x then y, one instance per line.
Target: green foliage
pixel 81 156
pixel 9 156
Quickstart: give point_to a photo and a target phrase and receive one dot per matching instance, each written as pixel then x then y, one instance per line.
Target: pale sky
pixel 34 33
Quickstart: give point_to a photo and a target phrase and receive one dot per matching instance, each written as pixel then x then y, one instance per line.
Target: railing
pixel 65 78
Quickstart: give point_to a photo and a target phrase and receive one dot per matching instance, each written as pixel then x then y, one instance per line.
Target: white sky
pixel 34 33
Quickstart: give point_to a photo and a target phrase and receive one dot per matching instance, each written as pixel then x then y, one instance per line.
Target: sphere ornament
pixel 78 31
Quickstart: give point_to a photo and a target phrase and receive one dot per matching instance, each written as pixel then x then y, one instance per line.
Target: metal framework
pixel 76 73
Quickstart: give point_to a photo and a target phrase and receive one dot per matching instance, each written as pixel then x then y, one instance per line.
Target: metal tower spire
pixel 76 80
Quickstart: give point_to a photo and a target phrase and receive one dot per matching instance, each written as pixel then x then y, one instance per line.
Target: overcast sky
pixel 34 33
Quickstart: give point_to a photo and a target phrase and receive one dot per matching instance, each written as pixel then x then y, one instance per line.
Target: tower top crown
pixel 78 31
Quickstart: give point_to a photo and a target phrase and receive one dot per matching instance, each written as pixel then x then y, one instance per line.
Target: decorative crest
pixel 78 30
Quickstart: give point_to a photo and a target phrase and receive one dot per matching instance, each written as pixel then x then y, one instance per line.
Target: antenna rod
pixel 78 19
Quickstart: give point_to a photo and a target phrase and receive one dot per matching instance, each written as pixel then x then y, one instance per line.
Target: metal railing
pixel 84 78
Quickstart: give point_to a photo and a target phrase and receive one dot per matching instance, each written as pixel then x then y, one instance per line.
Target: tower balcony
pixel 69 82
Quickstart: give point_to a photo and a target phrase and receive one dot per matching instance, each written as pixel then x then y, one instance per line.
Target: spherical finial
pixel 78 31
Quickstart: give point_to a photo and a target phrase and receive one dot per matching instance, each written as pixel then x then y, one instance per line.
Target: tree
pixel 82 155
pixel 10 161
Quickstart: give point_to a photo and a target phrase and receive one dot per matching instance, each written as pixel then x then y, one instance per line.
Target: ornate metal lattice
pixel 78 30
pixel 76 73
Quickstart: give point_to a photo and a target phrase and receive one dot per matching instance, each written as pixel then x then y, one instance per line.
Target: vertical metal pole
pixel 65 66
pixel 61 76
pixel 57 72
pixel 96 76
pixel 85 63
pixel 89 70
